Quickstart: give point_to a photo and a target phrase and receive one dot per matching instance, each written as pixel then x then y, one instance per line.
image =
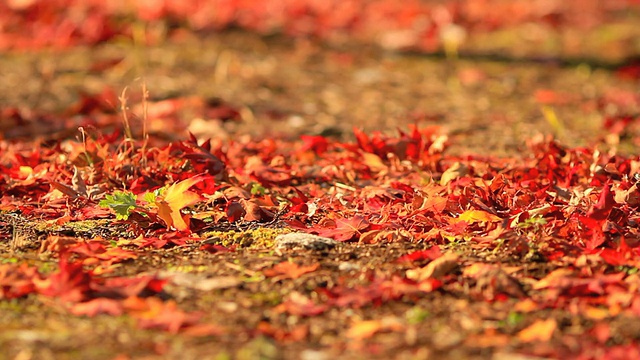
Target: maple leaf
pixel 317 144
pixel 473 216
pixel 431 253
pixel 601 210
pixel 16 281
pixel 70 283
pixel 175 198
pixel 439 267
pixel 121 202
pixel 346 228
pixel 122 287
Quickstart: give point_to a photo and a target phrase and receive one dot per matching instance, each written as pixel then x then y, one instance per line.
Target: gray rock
pixel 305 241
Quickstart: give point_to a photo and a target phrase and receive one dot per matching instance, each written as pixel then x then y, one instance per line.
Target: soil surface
pixel 285 88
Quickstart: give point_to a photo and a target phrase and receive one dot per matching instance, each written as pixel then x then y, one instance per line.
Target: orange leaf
pixel 153 313
pixel 364 329
pixel 175 198
pixel 289 270
pixel 558 278
pixel 367 328
pixel 438 268
pixel 541 330
pixel 374 162
pixel 473 216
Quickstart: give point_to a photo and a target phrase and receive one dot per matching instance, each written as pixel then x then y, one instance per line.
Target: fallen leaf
pixel 557 278
pixel 455 171
pixel 431 253
pixel 297 304
pixel 153 313
pixel 98 306
pixel 601 210
pixel 374 162
pixel 346 228
pixel 289 270
pixel 175 198
pixel 364 329
pixel 474 216
pixel 539 331
pixel 17 280
pixel 70 283
pixel 435 269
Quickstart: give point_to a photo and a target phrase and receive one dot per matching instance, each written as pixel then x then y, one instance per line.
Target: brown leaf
pixel 435 269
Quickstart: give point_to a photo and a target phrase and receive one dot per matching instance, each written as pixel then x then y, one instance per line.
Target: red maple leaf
pixel 432 253
pixel 124 287
pixel 601 210
pixel 345 228
pixel 16 281
pixel 70 283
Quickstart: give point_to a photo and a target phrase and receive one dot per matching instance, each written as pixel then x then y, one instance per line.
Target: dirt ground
pixel 290 87
pixel 284 88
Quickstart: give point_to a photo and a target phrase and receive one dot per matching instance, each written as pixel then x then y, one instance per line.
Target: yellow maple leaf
pixel 539 331
pixel 364 329
pixel 474 216
pixel 174 199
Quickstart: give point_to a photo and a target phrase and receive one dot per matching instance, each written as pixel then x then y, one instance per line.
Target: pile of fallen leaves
pixel 554 228
pixel 409 24
pixel 575 209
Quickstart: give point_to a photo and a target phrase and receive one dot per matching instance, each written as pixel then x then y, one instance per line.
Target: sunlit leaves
pixel 343 229
pixel 539 331
pixel 168 202
pixel 473 216
pixel 175 198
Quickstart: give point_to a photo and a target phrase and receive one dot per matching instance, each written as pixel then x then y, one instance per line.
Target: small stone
pixel 305 241
pixel 313 355
pixel 348 266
